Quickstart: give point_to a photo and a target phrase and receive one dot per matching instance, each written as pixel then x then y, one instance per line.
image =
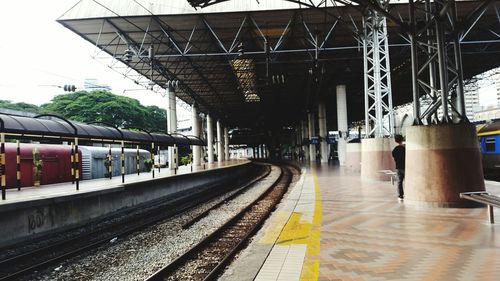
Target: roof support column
pixel 196 132
pixel 342 123
pixel 442 135
pixel 172 124
pixel 379 120
pixel 226 143
pixel 305 139
pixel 210 139
pixel 323 132
pixel 312 148
pixel 220 147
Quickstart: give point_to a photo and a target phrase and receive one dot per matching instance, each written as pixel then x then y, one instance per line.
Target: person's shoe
pixel 400 198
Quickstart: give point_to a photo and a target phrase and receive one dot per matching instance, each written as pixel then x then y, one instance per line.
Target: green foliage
pixel 148 164
pixel 103 106
pixel 185 160
pixel 37 164
pixel 21 106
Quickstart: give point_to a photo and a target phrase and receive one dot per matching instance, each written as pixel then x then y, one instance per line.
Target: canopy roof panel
pixel 65 129
pixel 285 75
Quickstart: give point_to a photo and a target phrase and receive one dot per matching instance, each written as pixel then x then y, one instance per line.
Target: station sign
pixel 331 140
pixel 314 140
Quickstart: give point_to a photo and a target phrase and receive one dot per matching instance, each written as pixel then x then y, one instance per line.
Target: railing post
pixel 110 159
pixel 153 159
pixel 137 161
pixel 77 166
pixel 72 163
pixel 123 162
pixel 18 165
pixel 491 216
pixel 2 165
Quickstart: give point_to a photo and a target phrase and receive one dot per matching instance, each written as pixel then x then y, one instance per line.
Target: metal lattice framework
pixel 247 67
pixel 437 73
pixel 379 115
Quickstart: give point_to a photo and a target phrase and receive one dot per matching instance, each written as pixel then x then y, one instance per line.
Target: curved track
pixel 41 257
pixel 206 260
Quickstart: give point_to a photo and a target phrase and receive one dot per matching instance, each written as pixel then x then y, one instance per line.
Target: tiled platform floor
pixel 366 234
pixel 64 189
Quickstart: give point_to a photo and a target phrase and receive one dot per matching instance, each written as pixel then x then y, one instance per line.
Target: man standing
pixel 398 153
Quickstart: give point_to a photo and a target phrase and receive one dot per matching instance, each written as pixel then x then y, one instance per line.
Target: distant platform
pixel 37 211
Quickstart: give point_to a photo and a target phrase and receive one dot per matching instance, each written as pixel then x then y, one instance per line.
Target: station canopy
pixel 57 128
pixel 262 65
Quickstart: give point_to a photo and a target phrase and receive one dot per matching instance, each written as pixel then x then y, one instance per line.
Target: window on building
pixel 490 145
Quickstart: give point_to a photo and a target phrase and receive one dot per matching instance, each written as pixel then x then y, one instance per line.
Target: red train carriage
pixel 56 164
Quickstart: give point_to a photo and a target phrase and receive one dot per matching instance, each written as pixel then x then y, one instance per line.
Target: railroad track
pixel 14 267
pixel 207 259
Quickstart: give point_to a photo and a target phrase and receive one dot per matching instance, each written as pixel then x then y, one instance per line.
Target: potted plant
pixel 148 164
pixel 107 163
pixel 37 166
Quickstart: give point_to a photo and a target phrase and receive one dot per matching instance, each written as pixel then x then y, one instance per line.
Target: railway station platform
pixel 67 189
pixel 37 211
pixel 335 226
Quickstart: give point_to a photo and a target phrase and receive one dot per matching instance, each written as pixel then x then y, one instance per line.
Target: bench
pixel 391 173
pixel 485 198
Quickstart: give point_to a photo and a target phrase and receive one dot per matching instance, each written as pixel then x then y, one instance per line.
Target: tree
pixel 103 106
pixel 21 106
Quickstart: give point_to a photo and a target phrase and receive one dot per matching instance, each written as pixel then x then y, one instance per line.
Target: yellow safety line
pixel 298 231
pixel 310 269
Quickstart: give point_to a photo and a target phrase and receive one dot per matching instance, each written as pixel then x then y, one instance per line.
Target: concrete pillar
pixel 305 135
pixel 220 147
pixel 353 156
pixel 442 161
pixel 210 139
pixel 312 147
pixel 376 156
pixel 196 133
pixel 173 158
pixel 323 132
pixel 342 124
pixel 226 143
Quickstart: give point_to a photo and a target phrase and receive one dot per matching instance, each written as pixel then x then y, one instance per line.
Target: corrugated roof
pixel 65 129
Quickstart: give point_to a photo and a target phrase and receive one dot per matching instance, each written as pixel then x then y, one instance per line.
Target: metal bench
pixel 391 173
pixel 485 198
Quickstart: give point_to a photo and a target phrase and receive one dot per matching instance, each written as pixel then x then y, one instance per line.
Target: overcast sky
pixel 38 51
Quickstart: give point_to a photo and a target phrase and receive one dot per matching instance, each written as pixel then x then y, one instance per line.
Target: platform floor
pixel 65 189
pixel 335 226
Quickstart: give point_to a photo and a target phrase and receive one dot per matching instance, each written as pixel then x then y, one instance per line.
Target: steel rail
pixel 283 181
pixel 11 268
pixel 234 195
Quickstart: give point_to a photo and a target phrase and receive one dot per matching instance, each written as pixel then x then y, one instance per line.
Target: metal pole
pixel 2 165
pixel 414 65
pixel 18 164
pixel 365 71
pixel 152 154
pixel 159 156
pixel 72 163
pixel 110 166
pixel 77 165
pixel 443 70
pixel 137 161
pixel 458 65
pixel 123 161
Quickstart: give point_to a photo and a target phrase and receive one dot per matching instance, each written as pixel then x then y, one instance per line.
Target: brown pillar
pixel 376 156
pixel 353 157
pixel 442 161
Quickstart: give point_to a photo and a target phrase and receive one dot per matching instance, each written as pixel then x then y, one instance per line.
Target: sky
pixel 39 54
